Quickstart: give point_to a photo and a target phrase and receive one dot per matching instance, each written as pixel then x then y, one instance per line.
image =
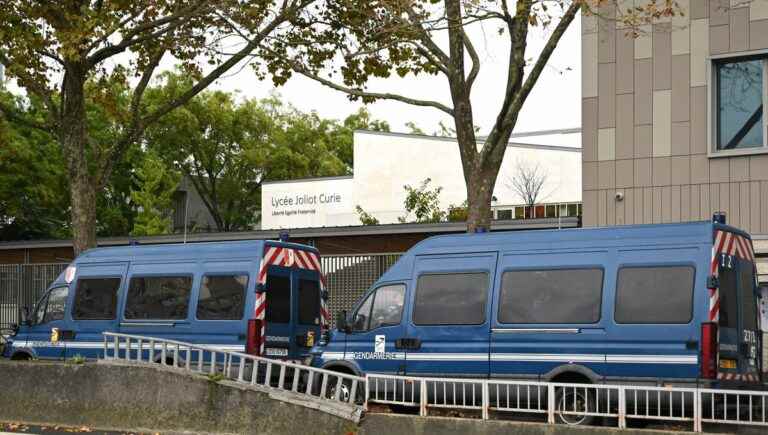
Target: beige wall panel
pixel 589 65
pixel 625 174
pixel 685 204
pixel 681 142
pixel 589 129
pixel 699 51
pixel 606 144
pixel 606 174
pixel 662 167
pixel 726 198
pixel 699 9
pixel 754 206
pixel 625 126
pixel 629 207
pixel 639 209
pixel 666 204
pixel 758 167
pixel 662 123
pixel 662 57
pixel 681 170
pixel 643 92
pixel 620 209
pixel 648 205
pixel 601 208
pixel 764 207
pixel 758 10
pixel 643 141
pixel 718 11
pixel 705 206
pixel 606 98
pixel 642 172
pixel 719 39
pixel 744 205
pixel 739 24
pixel 625 63
pixel 681 31
pixel 734 204
pixel 588 24
pixel 695 203
pixel 718 170
pixel 714 199
pixel 658 212
pixel 606 40
pixel 699 139
pixel 589 175
pixel 681 88
pixel 739 168
pixel 758 34
pixel 590 208
pixel 699 169
pixel 610 207
pixel 644 43
pixel 674 203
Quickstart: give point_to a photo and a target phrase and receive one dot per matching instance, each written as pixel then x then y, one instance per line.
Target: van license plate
pixel 276 351
pixel 727 363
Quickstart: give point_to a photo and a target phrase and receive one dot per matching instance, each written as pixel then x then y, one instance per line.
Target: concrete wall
pixel 645 120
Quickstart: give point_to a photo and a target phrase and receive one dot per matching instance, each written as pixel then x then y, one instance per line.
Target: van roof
pixel 585 236
pixel 181 251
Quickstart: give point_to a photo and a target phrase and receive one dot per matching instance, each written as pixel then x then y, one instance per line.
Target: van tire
pixel 565 398
pixel 346 386
pixel 21 356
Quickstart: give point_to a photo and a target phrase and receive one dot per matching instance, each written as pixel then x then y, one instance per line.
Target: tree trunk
pixel 73 137
pixel 479 194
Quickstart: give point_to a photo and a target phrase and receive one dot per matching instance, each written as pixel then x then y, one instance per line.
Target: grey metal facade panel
pixel 758 34
pixel 739 28
pixel 625 126
pixel 681 88
pixel 681 137
pixel 662 57
pixel 718 12
pixel 699 121
pixel 606 98
pixel 589 129
pixel 719 39
pixel 699 9
pixel 643 143
pixel 625 63
pixel 643 91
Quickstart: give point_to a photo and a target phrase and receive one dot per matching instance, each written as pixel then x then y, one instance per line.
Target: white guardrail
pixel 569 403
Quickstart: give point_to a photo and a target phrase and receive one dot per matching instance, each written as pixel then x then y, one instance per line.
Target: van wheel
pixel 345 391
pixel 21 356
pixel 573 404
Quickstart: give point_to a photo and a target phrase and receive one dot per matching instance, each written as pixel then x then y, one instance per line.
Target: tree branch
pixel 12 115
pixel 34 87
pixel 475 61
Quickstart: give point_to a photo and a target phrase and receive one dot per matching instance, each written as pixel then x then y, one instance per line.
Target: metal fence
pixel 22 285
pixel 348 277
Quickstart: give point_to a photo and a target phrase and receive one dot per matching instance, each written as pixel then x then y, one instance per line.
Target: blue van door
pixel 448 329
pixel 306 288
pixel 49 313
pixel 278 315
pixel 94 307
pixel 375 341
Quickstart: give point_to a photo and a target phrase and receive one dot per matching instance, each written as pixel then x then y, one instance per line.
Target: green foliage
pixel 365 217
pixel 457 213
pixel 215 377
pixel 157 183
pixel 423 203
pixel 76 360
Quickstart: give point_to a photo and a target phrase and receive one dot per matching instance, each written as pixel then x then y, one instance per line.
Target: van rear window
pixel 96 299
pixel 309 302
pixel 728 298
pixel 158 297
pixel 222 297
pixel 749 299
pixel 655 294
pixel 278 299
pixel 551 296
pixel 451 299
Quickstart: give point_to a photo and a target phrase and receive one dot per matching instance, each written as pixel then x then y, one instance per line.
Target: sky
pixel 554 103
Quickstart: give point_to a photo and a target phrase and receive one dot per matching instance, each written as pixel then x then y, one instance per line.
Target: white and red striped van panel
pixel 287 257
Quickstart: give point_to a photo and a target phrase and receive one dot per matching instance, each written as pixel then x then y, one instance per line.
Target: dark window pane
pixel 740 104
pixel 451 299
pixel 57 304
pixel 539 211
pixel 222 297
pixel 655 294
pixel 278 299
pixel 551 211
pixel 388 306
pixel 504 215
pixel 551 296
pixel 158 297
pixel 519 212
pixel 363 315
pixel 748 297
pixel 728 299
pixel 309 302
pixel 96 299
pixel 573 209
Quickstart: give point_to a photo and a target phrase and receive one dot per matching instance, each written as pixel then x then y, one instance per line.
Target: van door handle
pixel 408 343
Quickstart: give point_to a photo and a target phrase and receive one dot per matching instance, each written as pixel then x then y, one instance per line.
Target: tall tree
pixel 528 183
pixel 54 49
pixel 413 38
pixel 154 196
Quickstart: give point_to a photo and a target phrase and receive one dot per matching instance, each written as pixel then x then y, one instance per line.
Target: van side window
pixel 309 302
pixel 655 294
pixel 95 299
pixel 56 304
pixel 278 299
pixel 222 297
pixel 384 307
pixel 551 296
pixel 158 297
pixel 362 316
pixel 451 299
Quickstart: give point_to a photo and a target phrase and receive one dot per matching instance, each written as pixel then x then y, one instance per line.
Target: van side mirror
pixel 341 321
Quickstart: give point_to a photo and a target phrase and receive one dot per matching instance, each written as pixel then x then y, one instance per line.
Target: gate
pixel 22 285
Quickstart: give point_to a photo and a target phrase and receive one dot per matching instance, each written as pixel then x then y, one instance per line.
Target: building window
pixel 739 98
pixel 504 215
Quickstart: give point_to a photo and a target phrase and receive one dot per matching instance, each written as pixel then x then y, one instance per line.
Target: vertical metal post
pixel 176 357
pixel 151 351
pixel 127 348
pixel 622 407
pixel 240 370
pixel 188 354
pixel 367 394
pixel 116 350
pixel 213 362
pixel 551 404
pixel 486 401
pixel 163 353
pixel 105 346
pixel 697 411
pixel 423 398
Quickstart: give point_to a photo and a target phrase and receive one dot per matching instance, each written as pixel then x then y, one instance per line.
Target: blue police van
pixel 670 304
pixel 261 297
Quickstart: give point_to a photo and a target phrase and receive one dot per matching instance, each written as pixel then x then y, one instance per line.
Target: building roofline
pixel 511 144
pixel 303 233
pixel 301 180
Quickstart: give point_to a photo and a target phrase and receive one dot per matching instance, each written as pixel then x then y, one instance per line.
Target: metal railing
pixel 571 403
pixel 242 368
